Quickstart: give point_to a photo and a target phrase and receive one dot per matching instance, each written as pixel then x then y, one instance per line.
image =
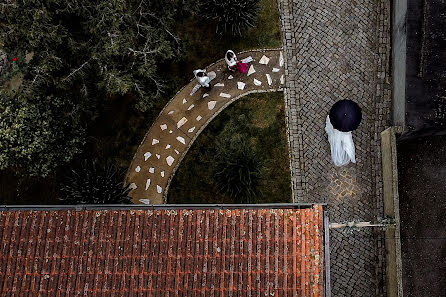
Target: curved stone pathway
pixel 188 113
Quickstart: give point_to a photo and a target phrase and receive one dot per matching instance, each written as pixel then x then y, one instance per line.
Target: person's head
pixel 229 55
pixel 200 74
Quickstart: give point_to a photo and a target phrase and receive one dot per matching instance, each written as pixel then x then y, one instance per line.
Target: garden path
pixel 188 113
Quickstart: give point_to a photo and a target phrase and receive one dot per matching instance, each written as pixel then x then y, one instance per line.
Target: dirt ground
pixel 422 188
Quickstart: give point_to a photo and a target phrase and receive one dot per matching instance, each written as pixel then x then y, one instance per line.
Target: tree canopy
pixel 68 56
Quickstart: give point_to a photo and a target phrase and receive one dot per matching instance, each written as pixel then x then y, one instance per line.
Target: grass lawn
pixel 194 182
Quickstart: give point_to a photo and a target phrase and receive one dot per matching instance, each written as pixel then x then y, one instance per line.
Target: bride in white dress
pixel 341 145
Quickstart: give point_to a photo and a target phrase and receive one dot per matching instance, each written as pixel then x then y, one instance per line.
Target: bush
pixel 38 133
pixel 117 44
pixel 232 16
pixel 95 184
pixel 238 170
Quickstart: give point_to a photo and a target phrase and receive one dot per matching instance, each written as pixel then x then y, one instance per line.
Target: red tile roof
pixel 161 252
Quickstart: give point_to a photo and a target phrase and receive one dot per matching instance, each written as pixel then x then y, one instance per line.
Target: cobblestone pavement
pixel 188 113
pixel 339 49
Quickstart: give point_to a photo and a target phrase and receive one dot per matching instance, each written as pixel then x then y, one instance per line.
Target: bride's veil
pixel 341 145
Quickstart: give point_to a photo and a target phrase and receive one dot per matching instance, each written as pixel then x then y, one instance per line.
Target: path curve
pixel 185 116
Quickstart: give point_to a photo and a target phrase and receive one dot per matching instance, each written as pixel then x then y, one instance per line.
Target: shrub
pixel 232 16
pixel 95 184
pixel 238 170
pixel 38 133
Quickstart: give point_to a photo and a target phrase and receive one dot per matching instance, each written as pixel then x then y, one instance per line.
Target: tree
pixel 82 53
pixel 95 184
pixel 119 44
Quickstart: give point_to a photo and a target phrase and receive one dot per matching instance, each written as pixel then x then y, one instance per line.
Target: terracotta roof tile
pixel 179 252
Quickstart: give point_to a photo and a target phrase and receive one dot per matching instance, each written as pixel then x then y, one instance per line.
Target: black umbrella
pixel 345 115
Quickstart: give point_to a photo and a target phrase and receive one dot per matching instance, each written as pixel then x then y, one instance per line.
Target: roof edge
pixel 80 207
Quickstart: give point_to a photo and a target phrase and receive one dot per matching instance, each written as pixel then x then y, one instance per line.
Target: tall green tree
pixel 78 54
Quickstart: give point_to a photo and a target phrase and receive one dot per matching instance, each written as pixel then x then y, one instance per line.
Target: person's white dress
pixel 231 62
pixel 204 80
pixel 341 145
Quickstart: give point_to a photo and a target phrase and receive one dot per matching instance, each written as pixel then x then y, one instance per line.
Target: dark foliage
pixel 95 184
pixel 38 133
pixel 238 172
pixel 232 16
pixel 64 59
pixel 238 169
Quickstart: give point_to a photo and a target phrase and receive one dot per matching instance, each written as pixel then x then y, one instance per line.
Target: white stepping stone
pixel 264 60
pixel 199 118
pixel 146 156
pixel 276 69
pixel 145 201
pixel 177 152
pixel 170 160
pixel 162 173
pixel 191 130
pixel 219 85
pixel 184 101
pixel 181 139
pixel 167 146
pixel 205 95
pixel 133 186
pixel 268 77
pixel 147 183
pixel 247 59
pixel 225 95
pixel 171 112
pixel 159 189
pixel 190 107
pixel 163 127
pixel 240 85
pixel 281 59
pixel 195 89
pixel 230 77
pixel 282 80
pixel 151 170
pixel 257 82
pixel 138 169
pixel 251 70
pixel 157 156
pixel 211 105
pixel 181 122
pixel 155 141
pixel 212 75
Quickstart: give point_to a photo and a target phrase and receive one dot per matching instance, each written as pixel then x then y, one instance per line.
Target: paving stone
pixel 333 50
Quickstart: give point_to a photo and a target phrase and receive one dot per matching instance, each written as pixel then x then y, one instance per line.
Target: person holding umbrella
pixel 344 117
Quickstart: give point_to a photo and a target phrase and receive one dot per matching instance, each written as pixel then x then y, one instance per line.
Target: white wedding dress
pixel 341 145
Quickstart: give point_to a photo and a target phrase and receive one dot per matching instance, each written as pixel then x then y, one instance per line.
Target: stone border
pixel 391 209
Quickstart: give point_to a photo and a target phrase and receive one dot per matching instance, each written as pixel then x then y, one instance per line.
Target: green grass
pixel 194 182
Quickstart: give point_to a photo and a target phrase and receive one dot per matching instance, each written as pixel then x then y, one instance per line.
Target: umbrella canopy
pixel 345 115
